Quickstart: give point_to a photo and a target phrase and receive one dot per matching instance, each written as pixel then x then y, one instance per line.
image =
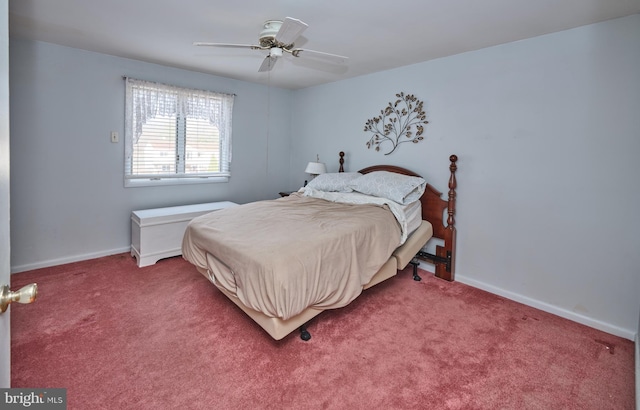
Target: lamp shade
pixel 316 168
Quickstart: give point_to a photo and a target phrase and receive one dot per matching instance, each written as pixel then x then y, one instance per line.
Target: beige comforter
pixel 282 256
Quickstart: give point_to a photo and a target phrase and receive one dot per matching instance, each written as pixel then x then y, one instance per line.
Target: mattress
pixel 413 213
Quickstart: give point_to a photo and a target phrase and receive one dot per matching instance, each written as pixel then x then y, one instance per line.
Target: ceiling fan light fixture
pixel 275 52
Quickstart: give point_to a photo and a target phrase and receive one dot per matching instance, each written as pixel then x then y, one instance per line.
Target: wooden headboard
pixel 433 210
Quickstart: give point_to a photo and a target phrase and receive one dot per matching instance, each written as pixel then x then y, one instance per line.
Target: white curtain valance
pixel 150 99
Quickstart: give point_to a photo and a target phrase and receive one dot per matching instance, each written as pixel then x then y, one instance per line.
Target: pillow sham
pixel 403 189
pixel 334 182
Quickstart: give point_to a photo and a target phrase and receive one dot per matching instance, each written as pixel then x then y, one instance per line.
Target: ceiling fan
pixel 277 37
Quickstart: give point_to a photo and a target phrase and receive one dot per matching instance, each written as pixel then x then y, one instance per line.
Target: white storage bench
pixel 157 233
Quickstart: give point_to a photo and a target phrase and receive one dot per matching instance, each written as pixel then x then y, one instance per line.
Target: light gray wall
pixel 548 135
pixel 68 198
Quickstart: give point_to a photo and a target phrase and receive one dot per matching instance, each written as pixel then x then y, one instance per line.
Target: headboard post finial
pixel 451 207
pixel 341 162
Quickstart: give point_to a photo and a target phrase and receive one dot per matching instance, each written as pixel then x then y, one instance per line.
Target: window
pixel 176 135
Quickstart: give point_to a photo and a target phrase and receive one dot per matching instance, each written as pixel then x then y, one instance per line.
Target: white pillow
pixel 334 182
pixel 399 188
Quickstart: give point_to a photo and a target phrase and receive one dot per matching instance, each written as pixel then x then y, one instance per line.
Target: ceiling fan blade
pixel 290 30
pixel 251 46
pixel 267 64
pixel 334 58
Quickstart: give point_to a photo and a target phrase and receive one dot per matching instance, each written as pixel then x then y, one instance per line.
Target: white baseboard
pixel 70 259
pixel 587 321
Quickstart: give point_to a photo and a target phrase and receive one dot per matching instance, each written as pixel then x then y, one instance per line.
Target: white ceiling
pixel 376 35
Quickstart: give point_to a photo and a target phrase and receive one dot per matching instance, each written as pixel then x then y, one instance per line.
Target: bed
pixel 284 261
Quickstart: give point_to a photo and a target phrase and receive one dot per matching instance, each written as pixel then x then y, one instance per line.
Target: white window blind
pixel 176 135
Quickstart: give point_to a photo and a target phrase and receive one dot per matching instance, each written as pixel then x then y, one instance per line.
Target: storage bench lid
pixel 176 213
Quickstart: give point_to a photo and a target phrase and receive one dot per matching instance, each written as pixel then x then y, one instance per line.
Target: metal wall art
pixel 396 123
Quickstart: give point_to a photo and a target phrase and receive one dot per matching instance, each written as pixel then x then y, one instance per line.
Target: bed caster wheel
pixel 305 335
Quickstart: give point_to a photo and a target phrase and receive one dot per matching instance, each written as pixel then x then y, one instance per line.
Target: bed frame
pixel 433 207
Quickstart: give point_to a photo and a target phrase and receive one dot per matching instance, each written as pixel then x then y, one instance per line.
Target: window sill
pixel 144 182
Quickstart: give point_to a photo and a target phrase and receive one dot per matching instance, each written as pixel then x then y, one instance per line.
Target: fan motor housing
pixel 268 35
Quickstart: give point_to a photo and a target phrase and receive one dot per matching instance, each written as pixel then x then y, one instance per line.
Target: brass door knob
pixel 26 294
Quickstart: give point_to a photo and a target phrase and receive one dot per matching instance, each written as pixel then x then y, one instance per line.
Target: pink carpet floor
pixel 162 337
